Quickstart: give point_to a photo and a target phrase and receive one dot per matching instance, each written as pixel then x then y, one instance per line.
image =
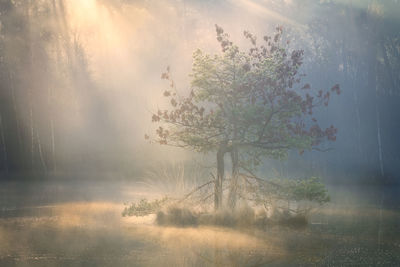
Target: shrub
pixel 244 216
pixel 288 197
pixel 176 216
pixel 311 189
pixel 144 207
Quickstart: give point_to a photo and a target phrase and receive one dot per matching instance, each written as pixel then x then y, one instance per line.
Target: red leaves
pixel 326 98
pixel 201 111
pixel 173 102
pixel 276 37
pixel 163 135
pixel 164 76
pixel 250 36
pixel 263 91
pixel 219 29
pixel 307 104
pixel 331 133
pixel 297 57
pixel 155 118
pixel 336 88
pixel 246 67
pixel 165 115
pixel 316 131
pixel 223 38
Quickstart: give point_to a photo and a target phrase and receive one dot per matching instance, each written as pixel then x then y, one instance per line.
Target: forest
pixel 199 133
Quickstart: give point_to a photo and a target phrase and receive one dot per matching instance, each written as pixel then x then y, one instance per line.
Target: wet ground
pixel 65 223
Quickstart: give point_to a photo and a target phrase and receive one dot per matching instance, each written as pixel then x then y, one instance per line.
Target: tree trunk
pixel 220 178
pixel 233 188
pixel 15 109
pixel 3 141
pixel 40 150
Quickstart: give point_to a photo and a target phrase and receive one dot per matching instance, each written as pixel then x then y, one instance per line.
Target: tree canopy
pixel 251 100
pixel 248 103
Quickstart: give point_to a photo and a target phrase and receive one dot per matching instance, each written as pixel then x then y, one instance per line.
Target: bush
pixel 311 189
pixel 291 197
pixel 144 207
pixel 223 218
pixel 289 200
pixel 176 216
pixel 244 216
pixel 296 221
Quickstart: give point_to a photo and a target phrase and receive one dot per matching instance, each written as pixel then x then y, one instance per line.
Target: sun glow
pixel 262 10
pixel 106 33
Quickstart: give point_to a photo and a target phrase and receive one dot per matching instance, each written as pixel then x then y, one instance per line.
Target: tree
pixel 248 104
pixel 44 75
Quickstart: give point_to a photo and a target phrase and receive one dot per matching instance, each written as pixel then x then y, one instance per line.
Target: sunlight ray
pixel 260 9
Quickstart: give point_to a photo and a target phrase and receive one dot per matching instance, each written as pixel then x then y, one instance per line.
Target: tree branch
pixel 195 190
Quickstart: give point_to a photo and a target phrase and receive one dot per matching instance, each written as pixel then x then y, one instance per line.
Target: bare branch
pixel 195 190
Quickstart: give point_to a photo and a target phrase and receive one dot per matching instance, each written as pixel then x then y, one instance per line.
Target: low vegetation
pixel 262 202
pixel 144 207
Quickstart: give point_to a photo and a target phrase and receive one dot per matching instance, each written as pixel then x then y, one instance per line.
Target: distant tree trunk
pixel 233 188
pixel 220 178
pixel 28 10
pixel 53 144
pixel 15 109
pixel 3 141
pixel 40 150
pixel 32 135
pixel 372 95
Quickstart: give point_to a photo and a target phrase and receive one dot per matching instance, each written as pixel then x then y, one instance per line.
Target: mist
pixel 81 82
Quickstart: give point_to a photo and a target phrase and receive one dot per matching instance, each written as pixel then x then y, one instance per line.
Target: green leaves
pixel 311 189
pixel 144 207
pixel 252 99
